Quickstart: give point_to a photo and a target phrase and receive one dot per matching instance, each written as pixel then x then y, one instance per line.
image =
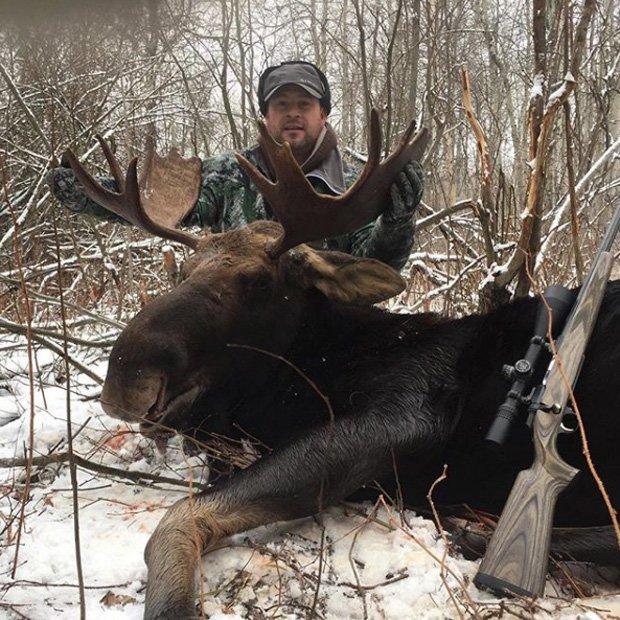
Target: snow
pixel 538 86
pixel 557 95
pixel 385 565
pixel 492 272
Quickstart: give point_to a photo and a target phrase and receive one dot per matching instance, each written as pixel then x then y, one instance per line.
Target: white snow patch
pixel 538 86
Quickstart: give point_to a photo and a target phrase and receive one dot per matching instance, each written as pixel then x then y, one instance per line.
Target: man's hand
pixel 405 193
pixel 66 188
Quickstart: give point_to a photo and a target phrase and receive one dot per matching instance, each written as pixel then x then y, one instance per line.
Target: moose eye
pixel 261 281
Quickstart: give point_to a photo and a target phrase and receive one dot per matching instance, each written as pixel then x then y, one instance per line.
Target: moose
pixel 268 336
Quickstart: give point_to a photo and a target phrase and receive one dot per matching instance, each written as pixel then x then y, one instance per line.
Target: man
pixel 295 100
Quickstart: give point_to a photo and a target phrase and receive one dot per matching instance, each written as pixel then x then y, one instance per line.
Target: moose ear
pixel 342 277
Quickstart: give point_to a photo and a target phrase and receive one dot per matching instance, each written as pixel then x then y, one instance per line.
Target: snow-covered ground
pixel 337 565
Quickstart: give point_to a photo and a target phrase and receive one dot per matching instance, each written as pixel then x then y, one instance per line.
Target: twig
pixel 387 582
pixel 569 158
pixel 72 468
pixel 62 457
pixel 315 598
pixel 429 220
pixel 17 328
pixel 300 372
pixel 440 530
pixel 52 347
pixel 13 608
pixel 44 584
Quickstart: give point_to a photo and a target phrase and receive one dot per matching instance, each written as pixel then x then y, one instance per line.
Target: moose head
pixel 246 287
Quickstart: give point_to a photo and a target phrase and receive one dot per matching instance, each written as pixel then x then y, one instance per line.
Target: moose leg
pixel 297 480
pixel 598 545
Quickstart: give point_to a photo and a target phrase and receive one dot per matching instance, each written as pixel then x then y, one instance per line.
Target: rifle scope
pixel 559 300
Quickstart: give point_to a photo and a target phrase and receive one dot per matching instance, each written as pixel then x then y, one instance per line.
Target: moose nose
pixel 130 397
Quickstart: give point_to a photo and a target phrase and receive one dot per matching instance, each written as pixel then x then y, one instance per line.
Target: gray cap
pixel 303 75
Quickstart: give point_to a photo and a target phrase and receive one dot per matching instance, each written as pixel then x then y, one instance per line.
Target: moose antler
pixel 307 215
pixel 127 203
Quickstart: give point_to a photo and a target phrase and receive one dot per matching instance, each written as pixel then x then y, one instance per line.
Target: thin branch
pixel 486 208
pixel 17 328
pixel 63 457
pixel 72 469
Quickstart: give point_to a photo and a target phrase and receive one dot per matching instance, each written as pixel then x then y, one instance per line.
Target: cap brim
pixel 308 89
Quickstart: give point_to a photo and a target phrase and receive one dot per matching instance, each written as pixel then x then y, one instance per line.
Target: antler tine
pixel 112 162
pixel 374 153
pixel 406 137
pixel 95 191
pixel 127 204
pixel 269 144
pixel 265 186
pixel 406 150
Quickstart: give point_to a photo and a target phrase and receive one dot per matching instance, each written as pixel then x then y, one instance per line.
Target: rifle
pixel 517 556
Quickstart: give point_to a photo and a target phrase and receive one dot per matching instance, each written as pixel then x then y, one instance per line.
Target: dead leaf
pixel 110 599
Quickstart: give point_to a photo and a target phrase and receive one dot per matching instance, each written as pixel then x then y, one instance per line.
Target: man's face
pixel 295 116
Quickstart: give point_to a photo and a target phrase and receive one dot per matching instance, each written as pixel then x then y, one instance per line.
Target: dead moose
pixel 406 393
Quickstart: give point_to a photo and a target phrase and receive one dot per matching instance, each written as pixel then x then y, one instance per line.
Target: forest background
pixel 517 190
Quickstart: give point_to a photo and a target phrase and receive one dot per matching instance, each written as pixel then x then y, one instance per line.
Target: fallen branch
pixel 17 328
pixel 63 457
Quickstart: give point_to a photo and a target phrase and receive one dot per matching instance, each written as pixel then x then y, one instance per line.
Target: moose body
pixel 406 394
pixel 268 337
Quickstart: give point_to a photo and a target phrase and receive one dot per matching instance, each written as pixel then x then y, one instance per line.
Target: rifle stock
pixel 516 559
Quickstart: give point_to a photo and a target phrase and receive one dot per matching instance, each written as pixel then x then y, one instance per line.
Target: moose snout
pixel 131 401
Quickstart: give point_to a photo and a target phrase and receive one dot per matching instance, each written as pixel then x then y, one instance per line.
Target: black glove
pixel 67 188
pixel 405 194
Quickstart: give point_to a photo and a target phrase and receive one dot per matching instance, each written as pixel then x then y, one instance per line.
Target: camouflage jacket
pixel 229 200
